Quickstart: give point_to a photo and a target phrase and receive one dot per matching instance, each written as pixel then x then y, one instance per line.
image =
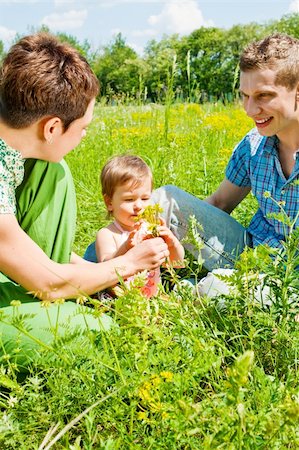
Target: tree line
pixel 199 67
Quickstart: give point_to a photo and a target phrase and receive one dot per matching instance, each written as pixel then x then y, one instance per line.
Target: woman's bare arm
pixel 25 263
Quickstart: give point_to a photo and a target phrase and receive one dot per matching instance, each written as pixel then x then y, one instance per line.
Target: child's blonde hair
pixel 121 169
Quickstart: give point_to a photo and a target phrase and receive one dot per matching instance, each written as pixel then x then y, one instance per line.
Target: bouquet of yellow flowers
pixel 151 217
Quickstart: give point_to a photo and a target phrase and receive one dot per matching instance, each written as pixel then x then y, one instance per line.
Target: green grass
pixel 199 142
pixel 179 372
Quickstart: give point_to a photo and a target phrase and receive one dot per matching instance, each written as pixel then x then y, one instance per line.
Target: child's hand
pixel 138 235
pixel 176 250
pixel 131 241
pixel 165 233
pixel 141 232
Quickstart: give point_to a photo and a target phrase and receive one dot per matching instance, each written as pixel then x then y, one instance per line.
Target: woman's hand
pixel 149 254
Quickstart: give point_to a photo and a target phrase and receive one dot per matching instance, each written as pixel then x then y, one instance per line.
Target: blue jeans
pixel 223 237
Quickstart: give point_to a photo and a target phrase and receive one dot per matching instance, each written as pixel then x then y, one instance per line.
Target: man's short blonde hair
pixel 279 52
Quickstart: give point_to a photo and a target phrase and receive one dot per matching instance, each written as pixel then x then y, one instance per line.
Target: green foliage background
pixel 206 62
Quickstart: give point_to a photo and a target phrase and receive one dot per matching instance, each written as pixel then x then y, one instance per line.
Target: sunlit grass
pixel 178 372
pixel 199 143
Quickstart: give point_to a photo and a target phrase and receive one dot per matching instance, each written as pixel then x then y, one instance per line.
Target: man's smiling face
pixel 272 107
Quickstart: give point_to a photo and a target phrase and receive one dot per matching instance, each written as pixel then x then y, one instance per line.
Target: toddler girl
pixel 126 187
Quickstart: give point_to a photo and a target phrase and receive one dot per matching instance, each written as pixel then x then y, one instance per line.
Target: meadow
pixel 178 372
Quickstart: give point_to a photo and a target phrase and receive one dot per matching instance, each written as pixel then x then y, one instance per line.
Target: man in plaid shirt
pixel 264 162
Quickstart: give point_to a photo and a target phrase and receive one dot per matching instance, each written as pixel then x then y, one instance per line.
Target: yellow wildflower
pixel 155 380
pixel 142 415
pixel 144 392
pixel 156 406
pixel 15 303
pixel 45 303
pixel 59 301
pixel 81 300
pixel 167 375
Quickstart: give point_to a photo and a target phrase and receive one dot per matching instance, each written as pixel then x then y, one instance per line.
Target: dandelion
pixel 142 415
pixel 168 376
pixel 144 392
pixel 155 380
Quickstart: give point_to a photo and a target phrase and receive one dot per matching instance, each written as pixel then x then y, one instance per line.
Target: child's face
pixel 128 201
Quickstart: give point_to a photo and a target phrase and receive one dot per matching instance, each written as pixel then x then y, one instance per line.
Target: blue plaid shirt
pixel 255 164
